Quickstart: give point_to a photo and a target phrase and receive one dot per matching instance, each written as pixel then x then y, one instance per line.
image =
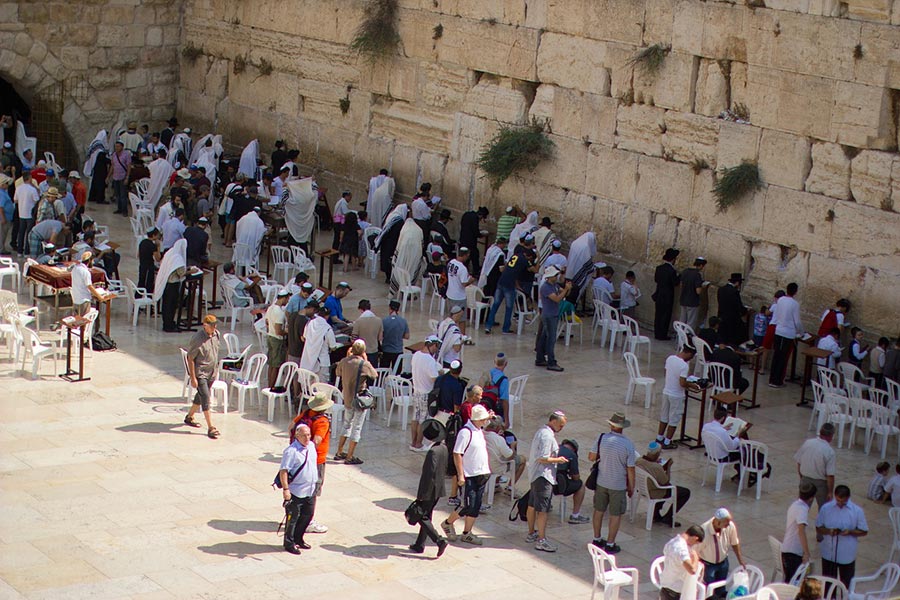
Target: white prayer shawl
pixel 450 336
pixel 176 149
pixel 115 131
pixel 195 150
pixel 97 146
pixel 398 215
pixel 208 159
pixel 174 259
pixel 581 260
pixel 543 242
pixel 319 341
pixel 165 212
pixel 23 143
pixel 247 165
pixel 529 225
pixel 408 255
pixel 381 194
pixel 160 174
pixel 250 230
pixel 300 207
pixel 493 254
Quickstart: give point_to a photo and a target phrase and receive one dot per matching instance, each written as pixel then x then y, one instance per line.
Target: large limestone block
pixel 573 63
pixel 496 99
pixel 614 20
pixel 567 168
pixel 798 219
pixel 405 168
pixel 404 79
pixel 828 280
pixel 639 128
pixel 691 137
pixel 511 12
pixel 370 155
pixel 880 63
pixel 830 173
pixel 863 116
pixel 744 217
pixel 722 35
pixel 583 116
pixel 658 19
pixel 687 27
pixel 878 306
pixel 727 251
pixel 543 104
pixel 428 129
pixel 712 89
pixel 662 232
pixel 598 123
pixel 572 215
pixel 664 186
pixel 784 159
pixel 607 224
pixel 870 10
pixel 866 234
pixel 737 143
pixel 564 16
pixel 336 149
pixel 459 186
pixel 444 86
pixel 431 169
pixel 672 86
pixel 324 61
pixel 620 71
pixel 612 173
pixel 470 135
pixel 821 47
pixel 500 49
pixel 870 177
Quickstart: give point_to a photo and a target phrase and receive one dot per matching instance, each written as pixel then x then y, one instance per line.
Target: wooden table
pixel 212 266
pixel 70 323
pixel 329 254
pixel 59 279
pixel 810 343
pixel 194 287
pixel 810 354
pixel 754 357
pixel 729 400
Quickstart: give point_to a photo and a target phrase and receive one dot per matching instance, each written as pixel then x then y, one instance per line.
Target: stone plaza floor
pixel 104 493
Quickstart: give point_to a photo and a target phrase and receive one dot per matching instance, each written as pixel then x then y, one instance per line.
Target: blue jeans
pixel 507 294
pixel 546 342
pixel 715 572
pixel 24 229
pixel 120 191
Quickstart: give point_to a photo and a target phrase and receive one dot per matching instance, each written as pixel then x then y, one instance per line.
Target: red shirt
pixel 79 191
pixel 321 426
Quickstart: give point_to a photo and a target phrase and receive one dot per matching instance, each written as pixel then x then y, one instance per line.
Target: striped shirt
pixel 616 454
pixel 505 225
pixel 876 487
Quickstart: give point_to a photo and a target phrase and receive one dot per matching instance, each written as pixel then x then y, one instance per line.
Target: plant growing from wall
pixel 344 102
pixel 191 52
pixel 514 149
pixel 239 64
pixel 265 67
pixel 438 32
pixel 650 59
pixel 734 183
pixel 377 37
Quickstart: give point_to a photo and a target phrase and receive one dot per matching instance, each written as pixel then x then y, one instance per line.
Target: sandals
pixel 353 461
pixel 340 456
pixel 213 433
pixel 190 422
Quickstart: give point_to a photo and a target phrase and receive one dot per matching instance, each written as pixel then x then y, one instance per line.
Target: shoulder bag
pixel 591 481
pixel 363 399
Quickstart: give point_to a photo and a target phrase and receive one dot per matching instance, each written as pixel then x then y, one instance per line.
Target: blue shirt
pixel 395 327
pixel 549 308
pixel 503 388
pixel 296 303
pixel 840 548
pixel 616 455
pixel 335 308
pixel 295 456
pixel 6 204
pixel 516 266
pixel 450 392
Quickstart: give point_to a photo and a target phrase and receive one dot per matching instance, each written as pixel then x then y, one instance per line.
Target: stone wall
pixel 126 51
pixel 636 154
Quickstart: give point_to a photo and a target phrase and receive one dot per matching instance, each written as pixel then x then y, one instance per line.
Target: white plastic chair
pixel 893 390
pixel 306 379
pixel 401 398
pixel 250 378
pixel 476 302
pixel 337 409
pixel 10 268
pixel 753 460
pixel 891 574
pixel 228 375
pixel 701 367
pixel 755 575
pixel 830 380
pixel 832 589
pixel 567 322
pixel 683 333
pixel 820 409
pixel 283 263
pixel 138 298
pixel 302 261
pixel 851 372
pixel 33 346
pixel 407 290
pixel 285 379
pixel 596 319
pixel 609 576
pixel 433 280
pixel 604 322
pixel 642 487
pixel 141 186
pixel 656 568
pixel 379 391
pixel 517 397
pixel 775 548
pixel 894 515
pixel 777 591
pixel 862 413
pixel 838 408
pixel 721 376
pixel 714 446
pixel 614 326
pixel 244 257
pixel 402 364
pixel 635 379
pixel 884 424
pixel 187 389
pixel 633 337
pixel 522 313
pixel 371 255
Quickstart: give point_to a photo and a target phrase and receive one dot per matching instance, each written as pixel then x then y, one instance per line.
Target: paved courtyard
pixel 105 494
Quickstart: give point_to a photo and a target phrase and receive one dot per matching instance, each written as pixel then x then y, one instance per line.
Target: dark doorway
pixel 12 104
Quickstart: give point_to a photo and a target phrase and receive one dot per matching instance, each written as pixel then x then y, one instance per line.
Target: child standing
pixel 629 293
pixel 857 351
pixel 876 361
pixel 760 324
pixel 364 224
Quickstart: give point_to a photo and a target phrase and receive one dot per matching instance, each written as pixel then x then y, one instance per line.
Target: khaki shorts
pixel 671 410
pixel 616 501
pixel 420 407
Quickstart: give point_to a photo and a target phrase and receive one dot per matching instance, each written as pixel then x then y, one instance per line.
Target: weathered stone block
pixel 744 217
pixel 691 137
pixel 573 215
pixel 878 303
pixel 830 173
pixel 658 18
pixel 501 49
pixel 496 100
pixel 470 135
pixel 664 186
pixel 870 177
pixel 370 155
pixel 567 168
pixel 564 16
pixel 598 119
pixel 511 12
pixel 335 151
pixel 671 86
pixel 400 121
pixel 75 59
pixel 154 36
pixel 614 20
pixel 784 159
pixel 136 78
pixel 830 56
pixel 459 186
pixel 737 143
pixel 863 116
pixel 639 128
pixel 711 96
pixel 612 173
pixel 444 86
pixel 880 62
pixel 404 79
pixel 866 234
pixel 870 10
pixel 798 219
pixel 587 117
pixel 573 63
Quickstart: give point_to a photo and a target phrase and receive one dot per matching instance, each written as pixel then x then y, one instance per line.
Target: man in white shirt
pixel 458 279
pixel 816 464
pixel 278 184
pixel 681 562
pixel 603 286
pixel 26 197
pixel 730 443
pixel 788 327
pixel 425 369
pixel 83 289
pixel 677 370
pixel 795 547
pixel 542 463
pixel 276 330
pixel 557 258
pixel 831 344
pixel 473 470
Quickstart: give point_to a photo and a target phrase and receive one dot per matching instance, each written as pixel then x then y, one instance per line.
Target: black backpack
pixel 102 342
pixel 454 424
pixel 520 508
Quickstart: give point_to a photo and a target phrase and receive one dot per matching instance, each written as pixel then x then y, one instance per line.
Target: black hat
pixel 671 254
pixel 445 214
pixel 736 278
pixel 546 222
pixel 483 211
pixel 173 121
pixel 433 430
pixel 572 443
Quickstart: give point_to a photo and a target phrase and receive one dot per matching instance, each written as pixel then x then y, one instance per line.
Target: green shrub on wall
pixel 513 149
pixel 377 36
pixel 650 59
pixel 734 183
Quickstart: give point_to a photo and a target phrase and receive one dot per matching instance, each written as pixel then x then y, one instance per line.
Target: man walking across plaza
pixel 542 473
pixel 816 464
pixel 298 476
pixel 202 365
pixel 473 471
pixel 431 485
pixel 840 523
pixel 614 455
pixel 551 295
pixel 720 533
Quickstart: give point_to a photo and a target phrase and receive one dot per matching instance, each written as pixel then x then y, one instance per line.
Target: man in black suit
pixel 733 327
pixel 667 279
pixel 726 355
pixel 431 485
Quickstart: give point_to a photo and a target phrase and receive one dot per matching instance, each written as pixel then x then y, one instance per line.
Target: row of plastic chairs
pixel 612 322
pixel 288 261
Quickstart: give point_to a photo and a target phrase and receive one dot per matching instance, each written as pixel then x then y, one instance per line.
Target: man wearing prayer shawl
pixel 97 167
pixel 543 240
pixel 300 198
pixel 451 336
pixel 529 225
pixel 386 242
pixel 408 255
pixel 319 341
pixel 381 194
pixel 160 174
pixel 250 230
pixel 580 267
pixel 249 157
pixel 167 286
pixel 494 258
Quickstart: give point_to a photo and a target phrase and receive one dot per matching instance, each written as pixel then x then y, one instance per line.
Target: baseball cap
pixel 551 271
pixel 74 174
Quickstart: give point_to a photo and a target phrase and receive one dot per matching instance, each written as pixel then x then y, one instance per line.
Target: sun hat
pixel 479 413
pixel 320 402
pixel 619 420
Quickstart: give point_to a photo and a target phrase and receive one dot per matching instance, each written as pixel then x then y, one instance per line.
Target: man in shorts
pixel 677 370
pixel 202 365
pixel 470 456
pixel 614 454
pixel 276 338
pixel 542 464
pixel 425 370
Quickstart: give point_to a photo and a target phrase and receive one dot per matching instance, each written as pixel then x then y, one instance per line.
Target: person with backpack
pixel 298 478
pixel 431 486
pixel 318 420
pixel 470 457
pixel 495 392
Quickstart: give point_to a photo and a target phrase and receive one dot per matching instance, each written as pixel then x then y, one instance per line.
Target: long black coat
pixel 733 328
pixel 434 470
pixel 666 278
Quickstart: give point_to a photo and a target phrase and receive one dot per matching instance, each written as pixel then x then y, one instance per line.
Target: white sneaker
pixel 471 538
pixel 546 545
pixel 315 527
pixel 532 537
pixel 449 531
